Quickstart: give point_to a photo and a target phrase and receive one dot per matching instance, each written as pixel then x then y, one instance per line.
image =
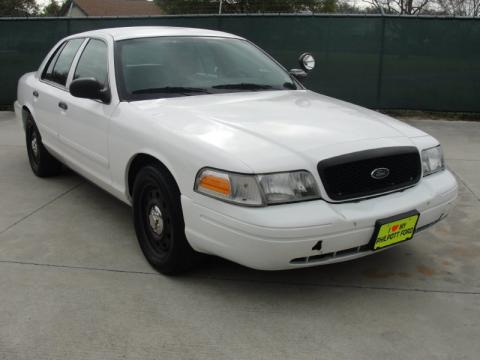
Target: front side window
pixel 93 62
pixel 59 66
pixel 178 66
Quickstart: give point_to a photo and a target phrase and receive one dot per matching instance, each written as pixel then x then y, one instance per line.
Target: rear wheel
pixel 159 223
pixel 42 163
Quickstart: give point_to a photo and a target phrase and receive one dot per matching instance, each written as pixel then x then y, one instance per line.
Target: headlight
pixel 432 160
pixel 288 187
pixel 257 190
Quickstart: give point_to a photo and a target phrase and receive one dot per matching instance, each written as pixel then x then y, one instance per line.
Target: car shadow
pixel 421 263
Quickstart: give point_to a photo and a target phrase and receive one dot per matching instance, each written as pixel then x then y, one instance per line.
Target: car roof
pixel 132 32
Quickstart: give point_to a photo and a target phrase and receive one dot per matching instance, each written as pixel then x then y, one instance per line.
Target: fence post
pixel 219 22
pixel 380 63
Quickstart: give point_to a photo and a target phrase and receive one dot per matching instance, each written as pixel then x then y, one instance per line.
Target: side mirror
pixel 307 64
pixel 299 74
pixel 89 88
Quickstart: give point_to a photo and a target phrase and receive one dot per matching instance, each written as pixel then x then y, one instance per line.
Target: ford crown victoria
pixel 220 150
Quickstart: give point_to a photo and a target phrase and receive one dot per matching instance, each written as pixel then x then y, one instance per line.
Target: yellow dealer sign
pixel 396 231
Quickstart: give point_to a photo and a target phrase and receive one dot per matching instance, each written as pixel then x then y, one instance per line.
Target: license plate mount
pixel 394 230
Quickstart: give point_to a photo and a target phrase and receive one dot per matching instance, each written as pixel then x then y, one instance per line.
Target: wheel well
pixel 25 113
pixel 140 161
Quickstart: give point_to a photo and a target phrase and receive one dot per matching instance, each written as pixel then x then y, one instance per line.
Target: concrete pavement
pixel 74 283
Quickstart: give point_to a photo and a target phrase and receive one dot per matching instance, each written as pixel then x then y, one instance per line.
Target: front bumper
pixel 282 237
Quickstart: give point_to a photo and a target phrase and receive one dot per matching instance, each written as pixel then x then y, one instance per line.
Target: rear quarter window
pixel 59 64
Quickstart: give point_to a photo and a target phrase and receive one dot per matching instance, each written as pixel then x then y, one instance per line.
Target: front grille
pixel 349 176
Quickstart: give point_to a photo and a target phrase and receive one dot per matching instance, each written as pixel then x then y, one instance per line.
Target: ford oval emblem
pixel 380 173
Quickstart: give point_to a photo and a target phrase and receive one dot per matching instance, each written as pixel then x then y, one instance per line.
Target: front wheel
pixel 159 223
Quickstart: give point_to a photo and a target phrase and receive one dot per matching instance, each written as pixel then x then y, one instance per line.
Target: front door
pixel 84 122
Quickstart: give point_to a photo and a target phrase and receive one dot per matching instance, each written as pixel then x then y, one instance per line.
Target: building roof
pixel 121 33
pixel 118 7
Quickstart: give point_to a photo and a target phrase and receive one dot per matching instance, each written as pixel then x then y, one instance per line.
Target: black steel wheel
pixel 159 223
pixel 42 163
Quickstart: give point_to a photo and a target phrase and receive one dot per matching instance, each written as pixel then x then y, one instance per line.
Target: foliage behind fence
pixel 389 62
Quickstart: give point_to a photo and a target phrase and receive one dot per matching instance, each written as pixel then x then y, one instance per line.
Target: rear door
pixel 84 122
pixel 51 89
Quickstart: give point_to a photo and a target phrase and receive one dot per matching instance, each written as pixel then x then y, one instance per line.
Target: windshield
pixel 180 66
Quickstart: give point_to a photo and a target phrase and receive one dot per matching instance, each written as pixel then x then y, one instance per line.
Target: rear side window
pixel 59 66
pixel 93 62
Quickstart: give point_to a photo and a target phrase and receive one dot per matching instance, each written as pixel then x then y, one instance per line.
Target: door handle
pixel 35 93
pixel 62 105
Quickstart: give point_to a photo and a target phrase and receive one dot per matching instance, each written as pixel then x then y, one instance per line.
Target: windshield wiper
pixel 171 90
pixel 243 86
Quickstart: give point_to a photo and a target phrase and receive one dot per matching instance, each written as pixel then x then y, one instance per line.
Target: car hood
pixel 272 129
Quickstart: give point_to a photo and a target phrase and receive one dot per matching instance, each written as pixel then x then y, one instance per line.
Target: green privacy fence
pixel 382 62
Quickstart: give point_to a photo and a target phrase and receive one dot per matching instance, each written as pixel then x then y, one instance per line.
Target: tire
pixel 42 163
pixel 159 223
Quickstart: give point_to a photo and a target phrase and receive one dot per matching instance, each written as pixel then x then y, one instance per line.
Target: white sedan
pixel 220 150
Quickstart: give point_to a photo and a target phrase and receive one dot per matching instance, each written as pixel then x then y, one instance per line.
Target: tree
pixel 460 7
pixel 326 6
pixel 401 7
pixel 18 8
pixel 246 6
pixel 348 7
pixel 53 8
